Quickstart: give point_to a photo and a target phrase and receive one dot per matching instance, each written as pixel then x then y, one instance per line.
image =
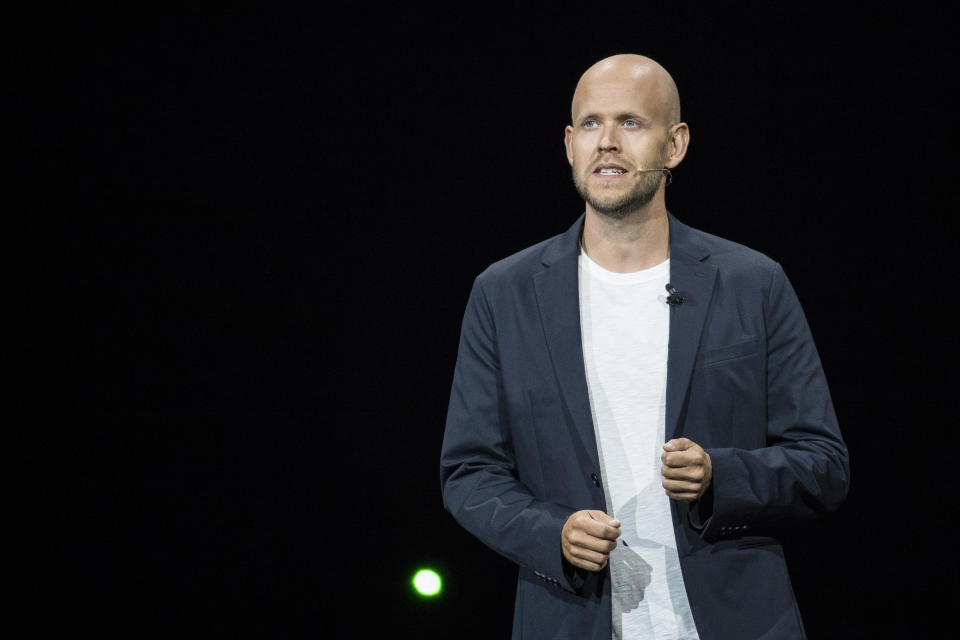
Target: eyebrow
pixel 627 115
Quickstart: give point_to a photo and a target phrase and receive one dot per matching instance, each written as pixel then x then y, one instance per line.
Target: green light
pixel 426 582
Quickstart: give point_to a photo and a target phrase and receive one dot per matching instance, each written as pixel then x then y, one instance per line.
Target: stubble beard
pixel 619 208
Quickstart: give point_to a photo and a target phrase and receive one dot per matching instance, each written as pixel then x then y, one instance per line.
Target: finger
pixel 589 566
pixel 684 497
pixel 587 555
pixel 598 529
pixel 592 523
pixel 678 444
pixel 573 557
pixel 582 538
pixel 582 556
pixel 597 545
pixel 683 458
pixel 603 517
pixel 692 474
pixel 677 458
pixel 692 455
pixel 681 486
pixel 600 525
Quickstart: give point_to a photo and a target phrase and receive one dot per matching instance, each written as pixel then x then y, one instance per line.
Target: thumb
pixel 678 444
pixel 603 517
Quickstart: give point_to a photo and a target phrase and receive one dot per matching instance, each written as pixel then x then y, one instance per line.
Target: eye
pixel 631 123
pixel 590 124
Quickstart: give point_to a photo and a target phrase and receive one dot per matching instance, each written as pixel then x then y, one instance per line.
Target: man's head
pixel 625 128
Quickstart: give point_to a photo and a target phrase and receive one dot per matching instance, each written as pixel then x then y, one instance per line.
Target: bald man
pixel 638 407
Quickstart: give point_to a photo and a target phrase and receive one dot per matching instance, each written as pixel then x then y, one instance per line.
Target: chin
pixel 619 208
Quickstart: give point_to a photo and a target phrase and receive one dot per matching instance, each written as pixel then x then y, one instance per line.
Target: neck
pixel 638 241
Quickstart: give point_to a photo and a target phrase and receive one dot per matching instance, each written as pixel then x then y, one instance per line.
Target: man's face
pixel 616 132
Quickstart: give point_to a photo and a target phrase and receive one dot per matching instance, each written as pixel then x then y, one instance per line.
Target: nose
pixel 609 140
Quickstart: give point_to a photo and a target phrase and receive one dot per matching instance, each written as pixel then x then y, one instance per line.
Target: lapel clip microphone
pixel 674 299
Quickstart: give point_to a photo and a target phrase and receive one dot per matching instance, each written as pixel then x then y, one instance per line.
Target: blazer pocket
pixel 731 352
pixel 749 542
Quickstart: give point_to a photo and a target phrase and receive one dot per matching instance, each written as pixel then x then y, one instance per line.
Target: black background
pixel 270 222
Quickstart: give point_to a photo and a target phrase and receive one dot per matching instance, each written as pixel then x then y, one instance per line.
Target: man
pixel 581 356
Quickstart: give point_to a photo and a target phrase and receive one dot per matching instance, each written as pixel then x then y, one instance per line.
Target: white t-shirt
pixel 625 323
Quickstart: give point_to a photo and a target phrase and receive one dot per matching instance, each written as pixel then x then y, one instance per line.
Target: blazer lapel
pixel 558 298
pixel 693 277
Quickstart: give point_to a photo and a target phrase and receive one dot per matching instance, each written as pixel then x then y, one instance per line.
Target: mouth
pixel 609 170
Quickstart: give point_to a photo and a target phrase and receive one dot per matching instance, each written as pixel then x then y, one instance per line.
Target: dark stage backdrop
pixel 272 219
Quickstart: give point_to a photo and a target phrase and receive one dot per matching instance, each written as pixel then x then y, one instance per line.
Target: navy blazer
pixel 744 381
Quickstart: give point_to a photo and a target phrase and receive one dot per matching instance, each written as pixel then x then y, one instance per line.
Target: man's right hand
pixel 588 537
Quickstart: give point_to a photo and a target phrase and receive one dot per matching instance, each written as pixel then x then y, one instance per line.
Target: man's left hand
pixel 686 470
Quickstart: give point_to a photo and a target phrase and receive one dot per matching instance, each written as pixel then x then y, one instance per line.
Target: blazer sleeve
pixel 478 472
pixel 804 470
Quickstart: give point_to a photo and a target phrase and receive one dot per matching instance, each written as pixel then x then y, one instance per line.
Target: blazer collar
pixel 683 239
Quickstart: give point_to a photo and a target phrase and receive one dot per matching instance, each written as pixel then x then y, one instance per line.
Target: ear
pixel 568 143
pixel 677 144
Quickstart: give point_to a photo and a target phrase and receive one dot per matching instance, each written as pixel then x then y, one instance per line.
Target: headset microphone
pixel 664 171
